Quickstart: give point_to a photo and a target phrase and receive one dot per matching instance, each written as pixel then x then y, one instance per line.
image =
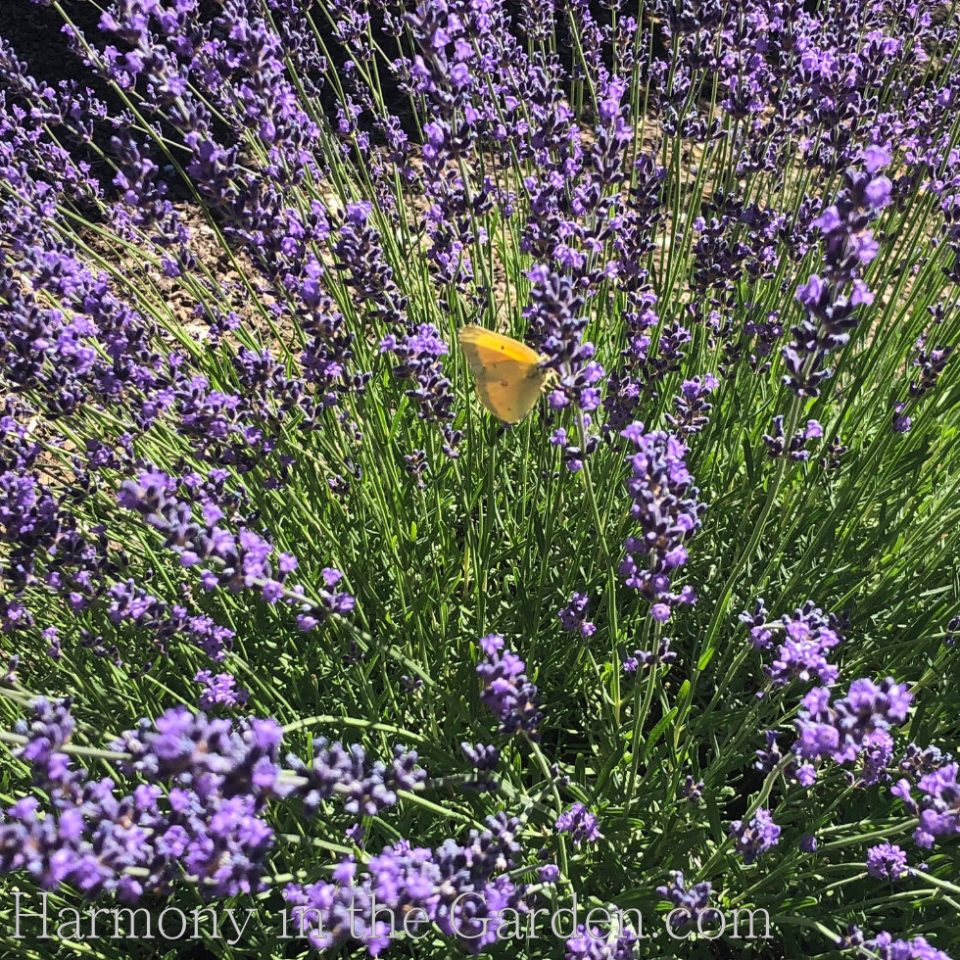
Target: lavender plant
pixel 289 624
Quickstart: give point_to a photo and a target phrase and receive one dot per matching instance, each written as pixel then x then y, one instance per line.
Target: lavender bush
pixel 288 623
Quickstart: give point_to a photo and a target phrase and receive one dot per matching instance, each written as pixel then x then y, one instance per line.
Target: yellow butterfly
pixel 508 373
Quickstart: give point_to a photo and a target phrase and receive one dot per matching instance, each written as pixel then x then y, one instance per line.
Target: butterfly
pixel 508 373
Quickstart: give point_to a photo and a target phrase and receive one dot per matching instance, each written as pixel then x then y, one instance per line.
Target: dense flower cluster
pixel 887 947
pixel 808 635
pixel 580 823
pixel 507 691
pixel 592 943
pixel 219 690
pixel 831 299
pixel 690 903
pixel 236 246
pixel 692 409
pixel 207 824
pixel 755 837
pixel 573 616
pixel 666 511
pixel 242 561
pixel 938 810
pixel 887 861
pixel 462 888
pixel 854 727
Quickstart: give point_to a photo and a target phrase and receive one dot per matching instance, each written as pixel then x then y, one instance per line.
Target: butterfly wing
pixel 507 372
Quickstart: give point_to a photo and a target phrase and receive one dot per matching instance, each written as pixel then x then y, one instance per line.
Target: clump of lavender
pixel 580 823
pixel 314 196
pixel 692 789
pixel 691 904
pixel 887 861
pixel 830 299
pixel 917 760
pixel 507 692
pixel 808 635
pixel 691 407
pixel 364 787
pixel 666 512
pixel 573 617
pixel 649 658
pixel 854 727
pixel 795 448
pixel 756 837
pixel 557 323
pixel 929 363
pixel 938 809
pixel 219 690
pixel 416 347
pixel 208 825
pixel 244 560
pixel 209 828
pixel 164 623
pixel 886 947
pixel 462 888
pixel 592 943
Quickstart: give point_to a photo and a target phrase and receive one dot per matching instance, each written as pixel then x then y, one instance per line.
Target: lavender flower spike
pixel 667 513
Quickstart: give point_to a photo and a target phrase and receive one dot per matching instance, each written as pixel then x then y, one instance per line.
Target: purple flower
pixel 885 947
pixel 649 658
pixel 556 330
pixel 692 409
pixel 691 904
pixel 917 760
pixel 507 692
pixel 595 944
pixel 462 888
pixel 830 301
pixel 573 617
pixel 219 690
pixel 208 827
pixel 49 729
pixel 692 789
pixel 761 632
pixel 365 787
pixel 877 192
pixel 777 443
pixel 484 758
pixel 755 838
pixel 938 809
pixel 206 823
pixel 875 158
pixel 802 659
pixel 580 823
pixel 548 873
pixel 901 422
pixel 808 635
pixel 243 560
pixel 853 727
pixel 887 861
pixel 666 512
